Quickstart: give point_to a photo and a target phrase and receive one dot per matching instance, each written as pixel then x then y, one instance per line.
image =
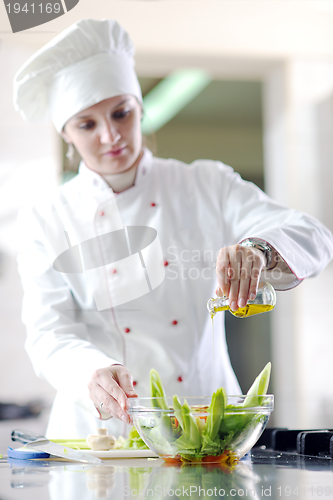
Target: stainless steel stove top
pixel 311 442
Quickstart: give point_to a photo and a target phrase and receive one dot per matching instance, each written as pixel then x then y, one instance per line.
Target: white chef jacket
pixel 75 323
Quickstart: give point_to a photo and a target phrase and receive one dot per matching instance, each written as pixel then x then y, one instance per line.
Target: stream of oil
pixel 242 312
pixel 214 382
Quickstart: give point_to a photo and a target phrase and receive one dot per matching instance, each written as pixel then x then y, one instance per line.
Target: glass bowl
pixel 190 433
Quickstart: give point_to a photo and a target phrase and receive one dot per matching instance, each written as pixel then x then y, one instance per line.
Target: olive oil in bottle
pixel 264 301
pixel 244 312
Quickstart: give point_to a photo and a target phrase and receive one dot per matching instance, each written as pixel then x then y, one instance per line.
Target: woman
pixel 119 265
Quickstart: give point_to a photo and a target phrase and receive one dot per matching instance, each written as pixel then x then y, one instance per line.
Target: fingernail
pixel 252 296
pixel 234 305
pixel 122 405
pixel 242 302
pixel 124 418
pixel 131 392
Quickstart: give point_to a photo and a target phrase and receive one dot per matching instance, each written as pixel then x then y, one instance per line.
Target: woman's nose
pixel 109 135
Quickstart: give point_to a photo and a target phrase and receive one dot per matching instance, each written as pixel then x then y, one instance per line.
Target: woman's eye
pixel 121 114
pixel 86 126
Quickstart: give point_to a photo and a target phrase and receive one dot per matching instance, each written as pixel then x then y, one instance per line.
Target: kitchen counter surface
pixel 263 474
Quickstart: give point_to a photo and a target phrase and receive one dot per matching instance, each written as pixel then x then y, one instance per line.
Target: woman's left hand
pixel 238 272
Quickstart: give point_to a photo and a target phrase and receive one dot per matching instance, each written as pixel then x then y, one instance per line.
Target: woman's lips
pixel 115 152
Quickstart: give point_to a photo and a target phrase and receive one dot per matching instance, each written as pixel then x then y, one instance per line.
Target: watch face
pixel 263 247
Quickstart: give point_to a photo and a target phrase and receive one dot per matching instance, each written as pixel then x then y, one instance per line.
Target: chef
pixel 117 267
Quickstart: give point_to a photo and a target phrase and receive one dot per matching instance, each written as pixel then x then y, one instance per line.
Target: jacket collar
pixel 91 180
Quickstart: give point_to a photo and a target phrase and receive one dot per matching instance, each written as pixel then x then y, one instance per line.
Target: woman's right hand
pixel 112 386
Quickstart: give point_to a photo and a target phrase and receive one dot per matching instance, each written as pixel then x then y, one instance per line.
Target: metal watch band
pixel 260 245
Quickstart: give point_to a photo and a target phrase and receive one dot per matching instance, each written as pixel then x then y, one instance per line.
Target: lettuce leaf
pixel 258 388
pixel 134 441
pixel 215 413
pixel 157 391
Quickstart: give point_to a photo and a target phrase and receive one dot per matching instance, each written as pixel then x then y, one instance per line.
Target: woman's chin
pixel 109 166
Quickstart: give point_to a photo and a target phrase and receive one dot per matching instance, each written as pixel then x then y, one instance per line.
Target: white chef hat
pixel 90 61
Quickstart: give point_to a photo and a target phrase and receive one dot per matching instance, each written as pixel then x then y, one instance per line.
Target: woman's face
pixel 108 134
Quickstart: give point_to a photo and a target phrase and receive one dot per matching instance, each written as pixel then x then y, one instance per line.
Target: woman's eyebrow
pixel 122 102
pixel 85 117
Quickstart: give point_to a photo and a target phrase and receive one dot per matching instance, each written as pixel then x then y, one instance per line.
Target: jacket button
pixel 175 322
pixel 166 263
pixel 113 271
pixel 180 379
pixel 153 204
pixel 101 213
pixel 134 383
pixel 127 330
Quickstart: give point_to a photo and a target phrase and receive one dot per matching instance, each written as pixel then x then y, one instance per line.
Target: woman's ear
pixel 65 136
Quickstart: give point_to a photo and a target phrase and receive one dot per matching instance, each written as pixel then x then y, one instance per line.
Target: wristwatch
pixel 260 245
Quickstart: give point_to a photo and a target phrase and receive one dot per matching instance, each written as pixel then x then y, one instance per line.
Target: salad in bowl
pixel 218 428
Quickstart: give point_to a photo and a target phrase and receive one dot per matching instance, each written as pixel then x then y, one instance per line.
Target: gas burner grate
pixel 313 442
